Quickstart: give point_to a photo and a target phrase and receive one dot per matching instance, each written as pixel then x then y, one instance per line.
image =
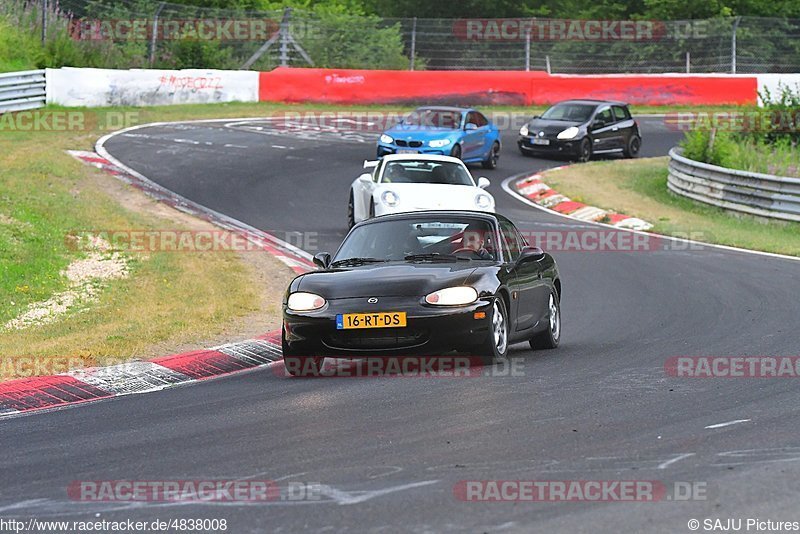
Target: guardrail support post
pixel 547 63
pixel 44 21
pixel 413 44
pixel 736 22
pixel 688 62
pixel 527 50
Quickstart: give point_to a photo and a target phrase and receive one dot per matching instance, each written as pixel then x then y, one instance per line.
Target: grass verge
pixel 639 188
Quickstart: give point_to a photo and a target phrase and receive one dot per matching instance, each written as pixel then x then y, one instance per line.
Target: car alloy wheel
pixel 499 329
pixel 351 212
pixel 491 161
pixel 585 150
pixel 550 337
pixel 634 144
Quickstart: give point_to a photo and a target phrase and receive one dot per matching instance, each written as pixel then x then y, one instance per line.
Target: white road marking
pixel 729 423
pixel 229 145
pixel 355 497
pixel 280 146
pixel 678 458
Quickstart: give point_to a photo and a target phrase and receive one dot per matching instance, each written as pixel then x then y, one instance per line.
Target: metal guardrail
pixel 764 195
pixel 22 90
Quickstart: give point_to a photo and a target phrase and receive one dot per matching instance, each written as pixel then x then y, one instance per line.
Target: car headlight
pixel 483 201
pixel 390 198
pixel 386 139
pixel 453 296
pixel 569 133
pixel 301 301
pixel 524 130
pixel 439 143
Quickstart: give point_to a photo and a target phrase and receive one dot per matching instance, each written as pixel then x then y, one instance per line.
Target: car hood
pixel 549 127
pixel 385 280
pixel 420 133
pixel 432 196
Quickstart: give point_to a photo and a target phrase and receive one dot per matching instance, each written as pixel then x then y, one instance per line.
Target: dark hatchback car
pixel 578 129
pixel 424 283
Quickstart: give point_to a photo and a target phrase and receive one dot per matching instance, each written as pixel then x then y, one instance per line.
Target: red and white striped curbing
pixel 533 188
pixel 91 384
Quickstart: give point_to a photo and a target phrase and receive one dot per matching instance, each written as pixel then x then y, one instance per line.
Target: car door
pixel 363 191
pixel 531 290
pixel 625 123
pixel 473 137
pixel 603 129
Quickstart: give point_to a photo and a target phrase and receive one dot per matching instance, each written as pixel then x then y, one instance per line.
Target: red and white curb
pixel 534 189
pixel 91 384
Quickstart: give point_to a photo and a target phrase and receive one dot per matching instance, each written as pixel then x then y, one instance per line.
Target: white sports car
pixel 415 182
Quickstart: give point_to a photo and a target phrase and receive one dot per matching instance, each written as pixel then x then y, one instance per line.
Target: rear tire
pixel 351 215
pixel 300 365
pixel 491 161
pixel 632 148
pixel 549 338
pixel 371 208
pixel 495 348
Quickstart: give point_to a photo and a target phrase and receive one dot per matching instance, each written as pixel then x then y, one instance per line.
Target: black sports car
pixel 423 283
pixel 580 128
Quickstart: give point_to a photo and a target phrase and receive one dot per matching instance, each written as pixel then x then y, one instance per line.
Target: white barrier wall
pixel 106 87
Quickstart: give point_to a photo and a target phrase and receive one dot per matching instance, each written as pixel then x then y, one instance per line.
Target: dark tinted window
pixel 512 239
pixel 605 116
pixel 621 113
pixel 569 112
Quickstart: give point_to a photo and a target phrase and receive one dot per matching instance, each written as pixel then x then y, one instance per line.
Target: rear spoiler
pixel 368 164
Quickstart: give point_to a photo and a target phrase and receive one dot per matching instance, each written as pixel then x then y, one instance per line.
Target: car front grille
pixel 412 144
pixel 378 338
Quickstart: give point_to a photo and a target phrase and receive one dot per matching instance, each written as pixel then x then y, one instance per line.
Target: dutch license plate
pixel 536 141
pixel 407 151
pixel 347 321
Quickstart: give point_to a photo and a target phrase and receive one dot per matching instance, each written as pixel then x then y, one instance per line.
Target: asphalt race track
pixel 388 452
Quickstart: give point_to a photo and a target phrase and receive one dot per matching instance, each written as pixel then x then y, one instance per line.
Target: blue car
pixel 463 133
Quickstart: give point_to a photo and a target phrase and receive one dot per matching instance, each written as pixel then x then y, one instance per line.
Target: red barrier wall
pixel 497 87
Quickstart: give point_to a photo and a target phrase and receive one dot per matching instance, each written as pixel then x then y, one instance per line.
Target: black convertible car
pixel 577 129
pixel 423 283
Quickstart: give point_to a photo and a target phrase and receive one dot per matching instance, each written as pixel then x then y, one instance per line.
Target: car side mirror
pixel 531 254
pixel 483 182
pixel 535 117
pixel 366 177
pixel 471 126
pixel 322 260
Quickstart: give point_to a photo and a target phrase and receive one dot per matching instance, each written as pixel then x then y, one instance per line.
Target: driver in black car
pixel 477 239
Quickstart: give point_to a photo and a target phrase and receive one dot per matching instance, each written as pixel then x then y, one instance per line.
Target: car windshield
pixel 421 239
pixel 434 118
pixel 426 172
pixel 569 112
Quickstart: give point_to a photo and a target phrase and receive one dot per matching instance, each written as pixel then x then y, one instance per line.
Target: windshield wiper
pixel 435 256
pixel 356 261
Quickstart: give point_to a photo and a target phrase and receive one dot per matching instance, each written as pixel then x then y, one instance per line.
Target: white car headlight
pixel 453 296
pixel 439 143
pixel 524 130
pixel 386 139
pixel 301 301
pixel 569 133
pixel 483 201
pixel 390 198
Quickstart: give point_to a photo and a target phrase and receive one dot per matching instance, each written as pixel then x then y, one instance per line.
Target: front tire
pixel 456 152
pixel 300 365
pixel 372 208
pixel 585 150
pixel 495 349
pixel 351 211
pixel 549 338
pixel 494 154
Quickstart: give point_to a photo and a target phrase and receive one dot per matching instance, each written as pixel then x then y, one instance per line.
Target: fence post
pixel 413 44
pixel 44 21
pixel 736 22
pixel 547 63
pixel 284 32
pixel 527 50
pixel 152 57
pixel 688 62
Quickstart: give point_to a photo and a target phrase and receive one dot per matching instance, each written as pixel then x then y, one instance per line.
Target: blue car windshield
pixel 569 112
pixel 434 118
pixel 425 172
